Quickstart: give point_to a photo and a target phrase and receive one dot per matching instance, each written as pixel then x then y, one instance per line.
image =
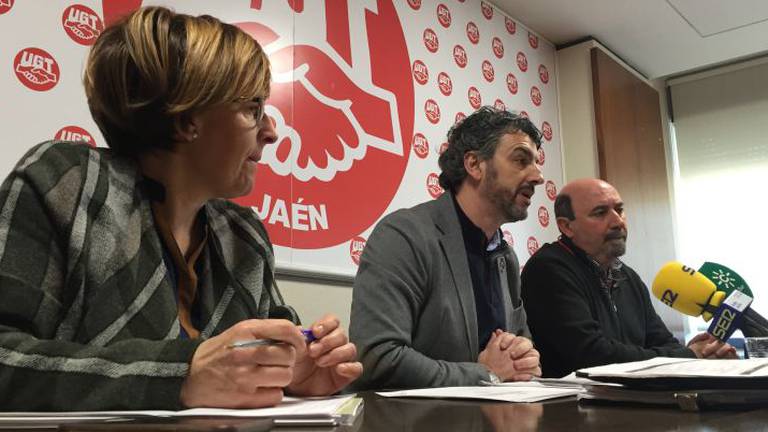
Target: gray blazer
pixel 413 307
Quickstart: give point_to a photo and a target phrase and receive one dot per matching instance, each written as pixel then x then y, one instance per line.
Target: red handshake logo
pixel 36 75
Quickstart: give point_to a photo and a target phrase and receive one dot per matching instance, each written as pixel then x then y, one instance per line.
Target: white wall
pixel 577 112
pixel 313 298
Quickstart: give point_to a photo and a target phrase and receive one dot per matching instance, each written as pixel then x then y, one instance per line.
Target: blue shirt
pixel 489 303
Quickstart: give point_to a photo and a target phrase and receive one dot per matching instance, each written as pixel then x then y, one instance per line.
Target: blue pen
pixel 308 335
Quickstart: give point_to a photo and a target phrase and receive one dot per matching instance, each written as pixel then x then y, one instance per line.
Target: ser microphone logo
pixel 722 327
pixel 669 298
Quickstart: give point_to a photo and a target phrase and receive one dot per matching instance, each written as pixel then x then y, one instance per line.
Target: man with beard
pixel 587 308
pixel 436 300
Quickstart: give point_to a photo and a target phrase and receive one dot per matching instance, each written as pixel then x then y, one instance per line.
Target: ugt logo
pixel 532 245
pixel 343 104
pixel 551 190
pixel 5 6
pixel 444 83
pixel 420 72
pixel 488 72
pixel 342 101
pixel 473 33
pixel 498 47
pixel 75 133
pixel 36 69
pixel 546 131
pixel 82 24
pixel 543 215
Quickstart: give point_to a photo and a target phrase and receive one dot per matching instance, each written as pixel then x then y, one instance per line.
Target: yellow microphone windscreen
pixel 683 288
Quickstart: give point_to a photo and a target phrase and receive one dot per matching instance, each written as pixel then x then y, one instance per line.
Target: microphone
pixel 692 293
pixel 729 316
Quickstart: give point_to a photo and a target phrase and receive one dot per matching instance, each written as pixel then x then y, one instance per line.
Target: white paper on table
pixel 290 407
pixel 11 422
pixel 518 392
pixel 570 380
pixel 667 367
pixel 296 408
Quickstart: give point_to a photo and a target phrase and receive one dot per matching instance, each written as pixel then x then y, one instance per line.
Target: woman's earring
pixel 194 135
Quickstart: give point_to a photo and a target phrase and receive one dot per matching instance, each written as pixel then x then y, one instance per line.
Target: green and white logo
pixel 724 278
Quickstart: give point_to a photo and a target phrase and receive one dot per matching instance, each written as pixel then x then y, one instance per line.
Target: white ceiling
pixel 658 37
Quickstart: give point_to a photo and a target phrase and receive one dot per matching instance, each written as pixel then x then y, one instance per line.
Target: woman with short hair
pixel 125 274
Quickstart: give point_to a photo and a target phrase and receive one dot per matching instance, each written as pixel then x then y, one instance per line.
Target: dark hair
pixel 480 132
pixel 564 207
pixel 156 66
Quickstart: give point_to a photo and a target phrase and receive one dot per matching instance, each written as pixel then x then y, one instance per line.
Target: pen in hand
pixel 308 336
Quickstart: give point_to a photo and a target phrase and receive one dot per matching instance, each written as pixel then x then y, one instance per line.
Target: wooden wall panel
pixel 632 157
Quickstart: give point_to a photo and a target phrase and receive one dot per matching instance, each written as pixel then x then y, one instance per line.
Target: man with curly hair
pixel 436 300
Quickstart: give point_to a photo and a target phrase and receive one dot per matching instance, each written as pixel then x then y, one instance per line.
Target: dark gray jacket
pixel 413 307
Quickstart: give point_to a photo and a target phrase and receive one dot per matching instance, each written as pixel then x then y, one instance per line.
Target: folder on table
pixel 691 384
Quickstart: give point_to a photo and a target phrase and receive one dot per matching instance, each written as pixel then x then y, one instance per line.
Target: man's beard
pixel 615 244
pixel 500 197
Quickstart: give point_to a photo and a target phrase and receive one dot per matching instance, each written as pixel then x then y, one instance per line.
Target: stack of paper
pixel 506 392
pixel 329 411
pixel 691 384
pixel 681 367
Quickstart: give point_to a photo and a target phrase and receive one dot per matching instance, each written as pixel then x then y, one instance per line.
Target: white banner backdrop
pixel 363 94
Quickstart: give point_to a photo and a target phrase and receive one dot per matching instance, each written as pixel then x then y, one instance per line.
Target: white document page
pixel 290 408
pixel 516 392
pixel 666 367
